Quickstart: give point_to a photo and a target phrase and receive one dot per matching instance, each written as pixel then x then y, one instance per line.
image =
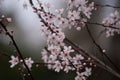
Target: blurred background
pixel 28 36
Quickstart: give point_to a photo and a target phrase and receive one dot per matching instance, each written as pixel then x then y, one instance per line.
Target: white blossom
pixel 59 11
pixel 14 61
pixel 87 71
pixel 80 76
pixel 72 15
pixel 44 55
pixel 67 69
pixel 29 62
pixel 57 66
pixel 68 49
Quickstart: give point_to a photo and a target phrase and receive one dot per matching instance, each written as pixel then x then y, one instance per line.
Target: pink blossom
pixel 14 61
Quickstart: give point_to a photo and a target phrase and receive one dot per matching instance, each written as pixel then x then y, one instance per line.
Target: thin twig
pixel 98 62
pixel 107 5
pixel 100 48
pixel 4 54
pixel 100 24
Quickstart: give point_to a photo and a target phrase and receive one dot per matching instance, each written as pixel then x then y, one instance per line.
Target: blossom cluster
pixel 112 23
pixel 15 60
pixel 81 76
pixel 82 6
pixel 79 10
pixel 57 54
pixel 76 10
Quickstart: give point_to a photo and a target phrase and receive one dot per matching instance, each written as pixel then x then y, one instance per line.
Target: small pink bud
pixel 37 65
pixel 103 50
pixel 78 28
pixel 84 64
pixel 91 64
pixel 21 60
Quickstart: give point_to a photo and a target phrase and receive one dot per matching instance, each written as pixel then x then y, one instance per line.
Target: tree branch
pixel 100 49
pixel 83 52
pixel 98 62
pixel 18 50
pixel 106 5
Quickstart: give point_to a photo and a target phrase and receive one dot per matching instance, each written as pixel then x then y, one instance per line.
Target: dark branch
pixel 83 52
pixel 100 48
pixel 107 5
pixel 18 50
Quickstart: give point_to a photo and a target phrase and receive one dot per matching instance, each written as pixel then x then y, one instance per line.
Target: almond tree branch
pixel 98 62
pixel 18 50
pixel 99 24
pixel 80 50
pixel 100 49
